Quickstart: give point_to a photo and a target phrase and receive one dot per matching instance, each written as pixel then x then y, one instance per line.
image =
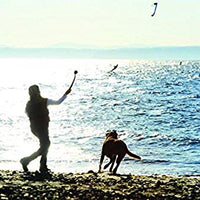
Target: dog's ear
pixel 114 133
pixel 107 134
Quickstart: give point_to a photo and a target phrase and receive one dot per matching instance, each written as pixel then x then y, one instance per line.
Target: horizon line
pixel 101 48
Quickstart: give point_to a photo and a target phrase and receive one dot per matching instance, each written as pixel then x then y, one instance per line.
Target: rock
pixel 3 197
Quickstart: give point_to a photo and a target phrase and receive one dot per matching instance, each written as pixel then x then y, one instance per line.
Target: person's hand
pixel 68 91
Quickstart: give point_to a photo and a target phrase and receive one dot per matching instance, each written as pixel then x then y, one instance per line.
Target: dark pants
pixel 43 135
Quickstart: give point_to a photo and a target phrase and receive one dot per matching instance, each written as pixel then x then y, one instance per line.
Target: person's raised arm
pixel 59 101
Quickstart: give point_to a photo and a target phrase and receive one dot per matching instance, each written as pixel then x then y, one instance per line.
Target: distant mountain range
pixel 160 53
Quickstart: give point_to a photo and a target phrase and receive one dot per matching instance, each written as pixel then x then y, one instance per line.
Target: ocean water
pixel 153 105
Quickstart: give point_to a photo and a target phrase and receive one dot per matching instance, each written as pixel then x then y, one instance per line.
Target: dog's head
pixel 112 134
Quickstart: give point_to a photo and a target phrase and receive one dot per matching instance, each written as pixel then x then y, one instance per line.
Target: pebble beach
pixel 91 185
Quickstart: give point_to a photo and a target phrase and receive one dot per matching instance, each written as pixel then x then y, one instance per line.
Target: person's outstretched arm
pixel 59 101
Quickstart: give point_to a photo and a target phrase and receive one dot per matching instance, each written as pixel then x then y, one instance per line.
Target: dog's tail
pixel 134 156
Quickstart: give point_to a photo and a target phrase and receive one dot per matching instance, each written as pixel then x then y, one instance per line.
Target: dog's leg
pixel 101 161
pixel 108 163
pixel 113 161
pixel 119 159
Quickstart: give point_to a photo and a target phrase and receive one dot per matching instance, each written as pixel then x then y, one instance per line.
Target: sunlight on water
pixel 153 105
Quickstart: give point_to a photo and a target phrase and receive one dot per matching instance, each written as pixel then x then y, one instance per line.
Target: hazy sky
pixel 99 23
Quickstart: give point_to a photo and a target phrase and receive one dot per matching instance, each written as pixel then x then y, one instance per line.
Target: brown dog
pixel 112 148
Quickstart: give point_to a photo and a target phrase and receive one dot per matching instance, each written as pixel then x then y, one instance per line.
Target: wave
pixel 152 161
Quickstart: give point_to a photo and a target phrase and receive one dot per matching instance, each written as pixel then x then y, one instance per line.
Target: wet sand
pixel 91 185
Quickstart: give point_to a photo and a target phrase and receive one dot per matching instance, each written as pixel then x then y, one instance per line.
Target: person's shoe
pixel 44 169
pixel 24 162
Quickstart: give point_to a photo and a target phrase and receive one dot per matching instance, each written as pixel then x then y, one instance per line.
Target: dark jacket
pixel 38 114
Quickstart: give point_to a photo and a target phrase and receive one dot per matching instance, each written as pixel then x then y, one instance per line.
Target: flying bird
pixel 156 4
pixel 115 67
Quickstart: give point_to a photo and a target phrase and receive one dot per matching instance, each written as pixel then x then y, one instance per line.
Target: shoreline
pixel 92 185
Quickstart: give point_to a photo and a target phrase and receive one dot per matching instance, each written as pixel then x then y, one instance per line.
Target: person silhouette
pixel 38 113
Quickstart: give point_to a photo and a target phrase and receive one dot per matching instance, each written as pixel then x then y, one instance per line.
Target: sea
pixel 153 105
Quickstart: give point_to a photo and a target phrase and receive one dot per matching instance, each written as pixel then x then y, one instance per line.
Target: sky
pixel 99 23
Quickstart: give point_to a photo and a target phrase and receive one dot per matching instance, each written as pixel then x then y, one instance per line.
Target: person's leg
pixel 44 146
pixel 26 160
pixel 43 137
